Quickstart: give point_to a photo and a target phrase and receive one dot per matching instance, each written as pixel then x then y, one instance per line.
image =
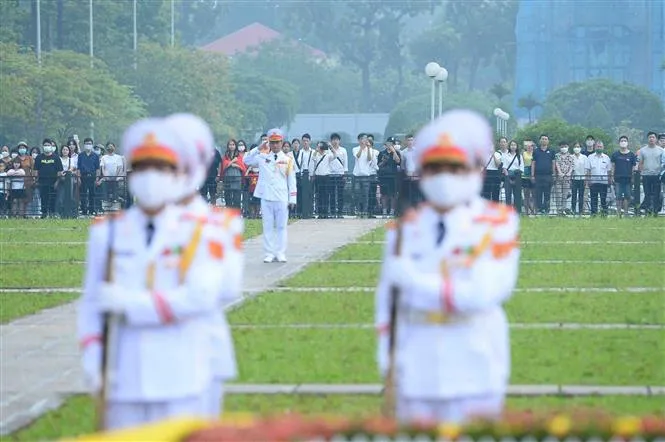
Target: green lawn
pixel 539 356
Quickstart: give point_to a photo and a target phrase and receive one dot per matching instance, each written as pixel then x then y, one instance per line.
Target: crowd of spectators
pixel 66 181
pixel 334 181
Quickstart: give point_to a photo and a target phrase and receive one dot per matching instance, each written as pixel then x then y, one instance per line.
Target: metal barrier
pixel 334 196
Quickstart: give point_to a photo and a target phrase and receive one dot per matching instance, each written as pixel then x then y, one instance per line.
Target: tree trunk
pixel 367 87
pixel 473 71
pixel 59 19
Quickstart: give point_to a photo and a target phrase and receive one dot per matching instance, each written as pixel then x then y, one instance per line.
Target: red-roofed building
pixel 248 38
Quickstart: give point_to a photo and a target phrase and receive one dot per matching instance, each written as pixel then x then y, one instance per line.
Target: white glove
pixel 401 271
pixel 113 298
pixel 92 366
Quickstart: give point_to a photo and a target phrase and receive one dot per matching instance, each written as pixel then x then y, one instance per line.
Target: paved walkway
pixel 39 353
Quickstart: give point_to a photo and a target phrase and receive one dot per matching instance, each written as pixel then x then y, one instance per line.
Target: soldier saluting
pixel 457 263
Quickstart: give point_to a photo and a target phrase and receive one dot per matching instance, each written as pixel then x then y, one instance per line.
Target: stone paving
pixel 39 353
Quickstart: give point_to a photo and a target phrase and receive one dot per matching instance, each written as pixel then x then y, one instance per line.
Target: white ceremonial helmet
pixel 197 147
pixel 460 138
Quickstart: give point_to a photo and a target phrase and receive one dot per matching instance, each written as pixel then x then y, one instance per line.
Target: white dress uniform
pixel 276 189
pixel 198 151
pixel 452 354
pixel 167 286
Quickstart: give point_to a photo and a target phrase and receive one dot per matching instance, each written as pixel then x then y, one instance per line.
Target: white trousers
pixel 216 399
pixel 275 216
pixel 455 411
pixel 121 415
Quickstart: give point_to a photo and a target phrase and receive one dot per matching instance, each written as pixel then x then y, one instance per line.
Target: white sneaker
pixel 281 258
pixel 269 258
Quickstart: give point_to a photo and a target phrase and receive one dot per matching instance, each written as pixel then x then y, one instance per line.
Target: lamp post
pixel 501 121
pixel 432 70
pixel 441 78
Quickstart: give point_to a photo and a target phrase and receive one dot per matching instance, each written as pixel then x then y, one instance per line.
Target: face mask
pixel 577 150
pixel 623 144
pixel 599 151
pixel 97 151
pixel 14 155
pixel 5 154
pixel 153 189
pixel 564 150
pixel 241 148
pixel 22 151
pixel 34 155
pixel 589 143
pixel 449 190
pixel 87 147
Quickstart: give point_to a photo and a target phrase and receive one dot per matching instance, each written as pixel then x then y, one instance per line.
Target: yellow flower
pixel 559 426
pixel 238 419
pixel 449 431
pixel 627 426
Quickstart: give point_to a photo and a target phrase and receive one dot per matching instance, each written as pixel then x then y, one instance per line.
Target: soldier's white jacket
pixel 229 225
pixel 452 332
pixel 164 346
pixel 277 178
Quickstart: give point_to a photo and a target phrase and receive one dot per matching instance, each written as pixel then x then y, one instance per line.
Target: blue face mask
pixel 22 151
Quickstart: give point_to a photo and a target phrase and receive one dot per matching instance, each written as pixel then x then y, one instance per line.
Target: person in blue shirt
pixel 88 168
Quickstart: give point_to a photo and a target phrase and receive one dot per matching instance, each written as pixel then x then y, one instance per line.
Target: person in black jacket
pixel 210 185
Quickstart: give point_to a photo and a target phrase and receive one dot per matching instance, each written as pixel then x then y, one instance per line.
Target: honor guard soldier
pixel 151 282
pixel 277 190
pixel 448 267
pixel 198 150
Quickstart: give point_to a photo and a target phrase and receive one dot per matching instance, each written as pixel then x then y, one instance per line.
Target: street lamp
pixel 432 70
pixel 441 77
pixel 501 121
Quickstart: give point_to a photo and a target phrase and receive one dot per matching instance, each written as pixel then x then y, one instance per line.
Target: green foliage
pixel 529 103
pixel 635 136
pixel 622 102
pixel 599 116
pixel 175 79
pixel 411 114
pixel 64 95
pixel 264 102
pixel 321 85
pixel 558 130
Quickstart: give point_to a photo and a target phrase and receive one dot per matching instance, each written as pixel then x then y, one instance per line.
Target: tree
pixel 560 131
pixel 635 136
pixel 365 31
pixel 499 91
pixel 63 96
pixel 443 43
pixel 175 79
pixel 264 102
pixel 529 103
pixel 599 116
pixel 321 87
pixel 623 101
pixel 411 114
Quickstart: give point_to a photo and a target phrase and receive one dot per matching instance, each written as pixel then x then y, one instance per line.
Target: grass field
pixel 614 270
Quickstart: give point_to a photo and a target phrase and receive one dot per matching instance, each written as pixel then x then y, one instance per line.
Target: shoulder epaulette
pixel 496 214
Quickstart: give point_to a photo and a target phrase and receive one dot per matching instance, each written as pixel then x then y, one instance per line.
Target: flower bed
pixel 589 425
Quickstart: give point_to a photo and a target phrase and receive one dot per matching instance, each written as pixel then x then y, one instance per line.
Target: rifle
pixel 390 390
pixel 109 339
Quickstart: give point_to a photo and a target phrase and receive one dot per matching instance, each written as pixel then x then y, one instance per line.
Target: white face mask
pixel 577 150
pixel 564 150
pixel 14 155
pixel 241 148
pixel 589 143
pixel 448 190
pixel 152 188
pixel 87 147
pixel 623 144
pixel 5 154
pixel 34 155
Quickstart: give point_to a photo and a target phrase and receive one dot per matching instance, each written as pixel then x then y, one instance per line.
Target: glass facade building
pixel 563 41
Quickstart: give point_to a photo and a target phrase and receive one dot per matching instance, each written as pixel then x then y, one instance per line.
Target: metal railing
pixel 334 196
